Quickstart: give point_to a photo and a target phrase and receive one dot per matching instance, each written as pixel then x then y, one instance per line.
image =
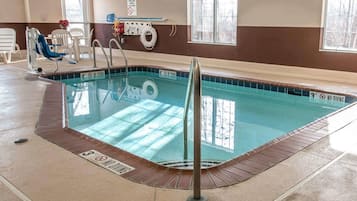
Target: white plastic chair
pixel 7 43
pixel 62 41
pixel 84 43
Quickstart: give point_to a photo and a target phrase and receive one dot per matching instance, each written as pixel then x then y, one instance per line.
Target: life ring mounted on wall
pixel 148 44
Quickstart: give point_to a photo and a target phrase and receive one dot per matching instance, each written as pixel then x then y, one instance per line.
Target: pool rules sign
pixel 131 7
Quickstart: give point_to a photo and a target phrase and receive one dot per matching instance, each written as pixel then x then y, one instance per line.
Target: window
pixel 76 12
pixel 340 31
pixel 214 21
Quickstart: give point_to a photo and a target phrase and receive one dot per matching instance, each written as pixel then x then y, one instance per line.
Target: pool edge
pixel 50 127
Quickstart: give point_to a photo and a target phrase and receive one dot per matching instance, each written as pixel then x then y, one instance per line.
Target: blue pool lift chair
pixel 37 45
pixel 43 49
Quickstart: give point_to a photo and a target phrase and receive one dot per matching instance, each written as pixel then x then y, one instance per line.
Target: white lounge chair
pixel 84 43
pixel 7 43
pixel 62 41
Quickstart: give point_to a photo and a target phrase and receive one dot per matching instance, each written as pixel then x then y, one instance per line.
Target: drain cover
pixel 106 162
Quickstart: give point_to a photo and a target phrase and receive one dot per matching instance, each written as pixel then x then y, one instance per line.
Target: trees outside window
pixel 340 30
pixel 214 21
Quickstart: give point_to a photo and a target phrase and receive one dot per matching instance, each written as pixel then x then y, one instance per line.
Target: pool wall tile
pixel 214 79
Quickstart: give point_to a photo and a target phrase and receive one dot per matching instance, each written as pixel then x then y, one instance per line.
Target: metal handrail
pixel 185 113
pixel 194 87
pixel 96 41
pixel 111 41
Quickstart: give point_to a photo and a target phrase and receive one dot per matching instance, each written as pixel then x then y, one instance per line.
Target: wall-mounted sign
pixel 131 7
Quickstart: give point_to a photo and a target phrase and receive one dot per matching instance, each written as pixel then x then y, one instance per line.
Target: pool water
pixel 143 114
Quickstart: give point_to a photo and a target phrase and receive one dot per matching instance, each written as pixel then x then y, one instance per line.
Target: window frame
pixel 86 18
pixel 214 27
pixel 324 32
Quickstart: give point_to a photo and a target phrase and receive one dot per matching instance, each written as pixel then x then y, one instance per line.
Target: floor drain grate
pixel 106 162
pixel 185 164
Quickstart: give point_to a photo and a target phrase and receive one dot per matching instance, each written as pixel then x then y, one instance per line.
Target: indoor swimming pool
pixel 142 113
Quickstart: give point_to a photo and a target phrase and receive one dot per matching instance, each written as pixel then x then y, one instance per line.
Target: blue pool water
pixel 143 114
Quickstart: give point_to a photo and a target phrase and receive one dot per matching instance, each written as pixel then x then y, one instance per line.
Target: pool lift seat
pixel 43 48
pixel 38 45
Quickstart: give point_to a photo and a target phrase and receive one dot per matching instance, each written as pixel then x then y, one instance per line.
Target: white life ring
pixel 150 94
pixel 149 45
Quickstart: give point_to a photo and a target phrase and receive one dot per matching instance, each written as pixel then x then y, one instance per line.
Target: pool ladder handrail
pixel 96 41
pixel 111 41
pixel 194 87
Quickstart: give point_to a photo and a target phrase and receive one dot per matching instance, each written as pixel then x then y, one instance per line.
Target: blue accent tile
pixel 281 89
pixel 56 77
pixel 70 76
pixel 77 75
pixel 350 99
pixel 305 93
pixel 274 88
pixel 267 87
pixel 246 83
pixel 235 82
pixel 260 86
pixel 298 91
pixel 253 85
pixel 294 91
pixel 230 81
pixel 214 79
pixel 240 83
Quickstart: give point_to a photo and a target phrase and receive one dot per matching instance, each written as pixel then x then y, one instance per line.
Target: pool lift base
pixel 191 198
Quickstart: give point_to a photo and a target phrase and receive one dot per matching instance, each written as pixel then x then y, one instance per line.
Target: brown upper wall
pixel 293 46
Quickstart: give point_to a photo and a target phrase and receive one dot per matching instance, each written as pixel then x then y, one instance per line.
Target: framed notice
pixel 131 7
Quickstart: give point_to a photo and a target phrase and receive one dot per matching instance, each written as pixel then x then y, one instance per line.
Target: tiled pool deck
pixel 44 171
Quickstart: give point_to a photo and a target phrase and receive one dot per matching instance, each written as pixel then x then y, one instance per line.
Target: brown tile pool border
pixel 51 126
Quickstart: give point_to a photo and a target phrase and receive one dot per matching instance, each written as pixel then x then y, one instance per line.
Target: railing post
pixel 185 116
pixel 197 133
